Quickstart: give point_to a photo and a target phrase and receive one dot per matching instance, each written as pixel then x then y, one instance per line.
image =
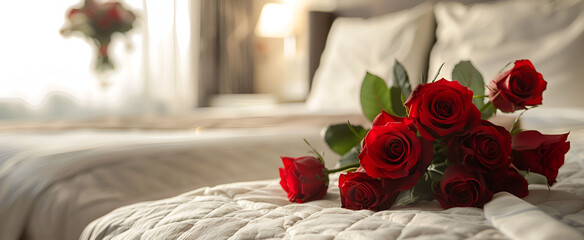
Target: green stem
pixel 351 169
pixel 480 96
pixel 506 65
pixel 437 165
pixel 318 155
pixel 438 72
pixel 514 129
pixel 343 168
pixel 489 104
pixel 436 171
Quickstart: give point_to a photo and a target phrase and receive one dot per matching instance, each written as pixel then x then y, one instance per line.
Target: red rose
pixel 392 150
pixel 517 88
pixel 360 191
pixel 461 186
pixel 442 108
pixel 102 21
pixel 113 11
pixel 486 147
pixel 384 118
pixel 303 178
pixel 507 180
pixel 540 153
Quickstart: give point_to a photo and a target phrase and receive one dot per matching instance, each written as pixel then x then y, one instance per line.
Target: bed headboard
pixel 320 21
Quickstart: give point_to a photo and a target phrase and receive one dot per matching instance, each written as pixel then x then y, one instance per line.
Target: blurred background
pixel 180 55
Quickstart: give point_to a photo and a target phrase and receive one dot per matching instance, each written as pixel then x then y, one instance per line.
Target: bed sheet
pixel 261 210
pixel 53 183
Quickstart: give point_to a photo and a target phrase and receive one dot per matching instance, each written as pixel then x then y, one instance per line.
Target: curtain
pixel 44 75
pixel 227 47
pixel 236 46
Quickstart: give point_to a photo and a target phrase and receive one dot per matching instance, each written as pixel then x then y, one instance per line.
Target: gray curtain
pixel 227 47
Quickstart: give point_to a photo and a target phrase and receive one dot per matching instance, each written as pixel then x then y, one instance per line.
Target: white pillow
pixel 355 46
pixel 547 32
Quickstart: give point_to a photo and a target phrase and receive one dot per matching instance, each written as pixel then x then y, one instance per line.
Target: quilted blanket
pixel 260 210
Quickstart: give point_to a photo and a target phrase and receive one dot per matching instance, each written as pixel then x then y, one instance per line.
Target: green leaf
pixel 401 79
pixel 534 178
pixel 487 111
pixel 341 138
pixel 406 197
pixel 439 156
pixel 396 99
pixel 351 157
pixel 374 96
pixel 424 189
pixel 467 75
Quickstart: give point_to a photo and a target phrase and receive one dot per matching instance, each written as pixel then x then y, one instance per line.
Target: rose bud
pixel 486 147
pixel 392 150
pixel 360 191
pixel 304 179
pixel 442 108
pixel 540 153
pixel 507 180
pixel 517 88
pixel 103 50
pixel 461 186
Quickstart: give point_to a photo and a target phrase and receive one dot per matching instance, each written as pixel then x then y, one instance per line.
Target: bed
pixel 57 177
pixel 551 35
pixel 261 210
pixel 213 174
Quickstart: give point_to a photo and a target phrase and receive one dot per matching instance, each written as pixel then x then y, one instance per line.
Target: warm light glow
pixel 290 47
pixel 275 20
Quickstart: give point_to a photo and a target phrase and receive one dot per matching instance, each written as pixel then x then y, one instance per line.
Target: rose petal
pixel 527 140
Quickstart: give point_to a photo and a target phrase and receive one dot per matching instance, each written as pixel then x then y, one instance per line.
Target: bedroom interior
pixel 147 119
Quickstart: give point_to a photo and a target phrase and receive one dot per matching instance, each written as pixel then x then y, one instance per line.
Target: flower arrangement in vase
pixel 98 22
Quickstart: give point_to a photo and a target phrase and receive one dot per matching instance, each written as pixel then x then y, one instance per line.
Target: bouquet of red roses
pixel 99 21
pixel 434 142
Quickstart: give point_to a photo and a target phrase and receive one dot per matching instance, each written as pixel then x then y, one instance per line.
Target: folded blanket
pixel 520 220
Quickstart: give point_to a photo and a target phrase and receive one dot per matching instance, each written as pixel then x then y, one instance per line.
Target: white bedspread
pixel 53 184
pixel 260 210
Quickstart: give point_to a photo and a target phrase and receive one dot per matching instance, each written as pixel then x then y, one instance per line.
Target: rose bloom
pixel 461 186
pixel 303 178
pixel 540 153
pixel 517 88
pixel 104 19
pixel 486 146
pixel 360 191
pixel 442 108
pixel 507 180
pixel 392 150
pixel 112 17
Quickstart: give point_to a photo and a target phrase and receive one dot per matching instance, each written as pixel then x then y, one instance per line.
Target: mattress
pixel 261 210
